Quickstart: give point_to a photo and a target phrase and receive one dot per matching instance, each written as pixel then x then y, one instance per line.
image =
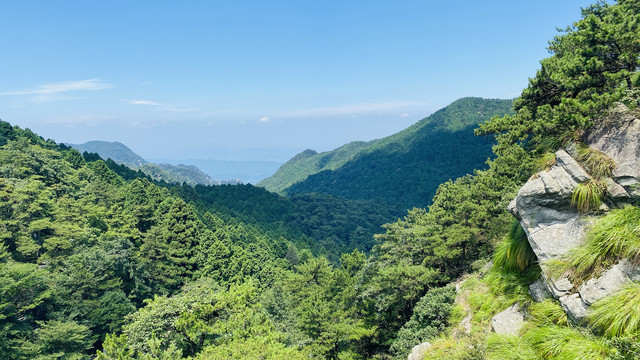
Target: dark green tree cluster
pixel 82 248
pixel 594 63
pixel 328 225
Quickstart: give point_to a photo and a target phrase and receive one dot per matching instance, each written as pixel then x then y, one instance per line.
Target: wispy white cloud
pixel 61 87
pixel 165 107
pixel 352 109
pixel 141 102
pixel 264 119
pixel 173 109
pixel 57 91
pixel 404 115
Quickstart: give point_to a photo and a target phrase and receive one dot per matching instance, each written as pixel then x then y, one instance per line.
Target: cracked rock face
pixel 543 206
pixel 574 307
pixel 619 138
pixel 554 227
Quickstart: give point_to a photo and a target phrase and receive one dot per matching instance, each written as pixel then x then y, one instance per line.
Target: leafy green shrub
pixel 429 318
pixel 618 315
pixel 587 196
pixel 598 164
pixel 514 253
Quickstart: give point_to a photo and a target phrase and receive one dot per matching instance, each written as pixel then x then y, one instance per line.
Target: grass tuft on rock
pixel 587 196
pixel 613 237
pixel 547 312
pixel 598 164
pixel 545 161
pixel 508 348
pixel 514 252
pixel 618 315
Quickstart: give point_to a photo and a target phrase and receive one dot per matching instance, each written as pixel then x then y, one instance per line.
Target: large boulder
pixel 543 206
pixel 508 322
pixel 554 227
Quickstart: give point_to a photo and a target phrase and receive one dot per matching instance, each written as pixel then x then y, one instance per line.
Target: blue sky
pixel 259 80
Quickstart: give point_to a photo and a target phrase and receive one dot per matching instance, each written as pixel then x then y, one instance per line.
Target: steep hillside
pixel 310 162
pixel 564 280
pixel 406 168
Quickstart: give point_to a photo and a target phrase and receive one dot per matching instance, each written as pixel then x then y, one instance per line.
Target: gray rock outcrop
pixel 465 325
pixel 619 138
pixel 543 206
pixel 554 227
pixel 508 322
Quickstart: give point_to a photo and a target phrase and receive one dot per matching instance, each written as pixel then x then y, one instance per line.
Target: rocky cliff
pixel 545 207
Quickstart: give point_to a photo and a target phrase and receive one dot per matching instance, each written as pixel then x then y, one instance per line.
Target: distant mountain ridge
pixel 121 154
pixel 115 151
pixel 245 171
pixel 403 169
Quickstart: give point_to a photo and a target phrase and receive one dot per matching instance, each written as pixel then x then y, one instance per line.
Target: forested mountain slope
pixel 576 218
pixel 310 162
pixel 82 248
pixel 329 225
pixel 403 169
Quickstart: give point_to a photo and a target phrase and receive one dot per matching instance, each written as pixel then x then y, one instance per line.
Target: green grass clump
pixel 598 164
pixel 618 315
pixel 509 348
pixel 567 343
pixel 612 237
pixel 587 196
pixel 448 348
pixel 497 291
pixel 514 253
pixel 547 312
